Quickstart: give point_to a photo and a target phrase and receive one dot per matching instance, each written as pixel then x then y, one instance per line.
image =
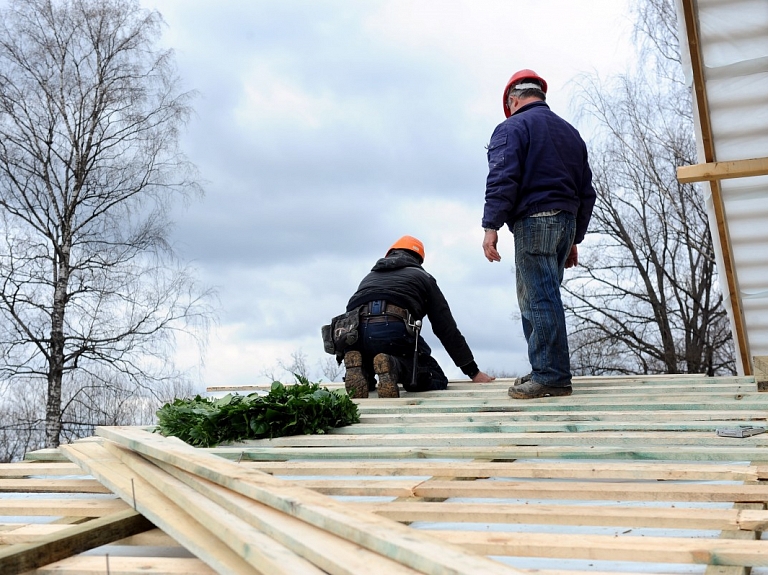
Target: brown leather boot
pixel 385 368
pixel 354 380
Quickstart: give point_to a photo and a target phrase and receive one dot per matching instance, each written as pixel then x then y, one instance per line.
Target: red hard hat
pixel 516 78
pixel 409 243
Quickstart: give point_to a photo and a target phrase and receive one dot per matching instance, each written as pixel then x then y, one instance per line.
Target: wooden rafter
pixel 690 15
pixel 723 170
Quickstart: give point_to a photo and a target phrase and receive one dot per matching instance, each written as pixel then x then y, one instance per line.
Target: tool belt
pixel 380 310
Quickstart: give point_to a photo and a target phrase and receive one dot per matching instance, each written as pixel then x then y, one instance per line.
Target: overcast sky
pixel 325 130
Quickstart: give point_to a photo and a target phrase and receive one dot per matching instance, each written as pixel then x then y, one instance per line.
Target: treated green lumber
pixel 258 551
pixel 628 400
pixel 684 388
pixel 60 507
pixel 581 515
pixel 71 541
pixel 480 427
pixel 640 452
pixel 97 565
pixel 52 486
pixel 329 552
pixel 602 438
pixel 416 550
pixel 670 416
pixel 699 551
pixel 728 403
pixel 175 521
pixel 48 454
pixel 26 469
pixel 534 470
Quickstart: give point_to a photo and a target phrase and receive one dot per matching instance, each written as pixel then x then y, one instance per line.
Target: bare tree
pixel 331 369
pixel 645 297
pixel 92 293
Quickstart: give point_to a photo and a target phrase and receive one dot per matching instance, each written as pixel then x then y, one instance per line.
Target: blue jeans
pixel 541 247
pixel 391 337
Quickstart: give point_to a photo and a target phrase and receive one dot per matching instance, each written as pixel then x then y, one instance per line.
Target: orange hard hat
pixel 517 78
pixel 409 243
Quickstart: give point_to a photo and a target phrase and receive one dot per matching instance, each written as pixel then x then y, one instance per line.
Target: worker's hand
pixel 573 258
pixel 481 377
pixel 489 246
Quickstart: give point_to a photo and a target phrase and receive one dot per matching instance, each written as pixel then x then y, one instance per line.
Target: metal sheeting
pixel 733 48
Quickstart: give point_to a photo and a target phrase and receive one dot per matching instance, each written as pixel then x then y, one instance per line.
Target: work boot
pixel 532 390
pixel 354 380
pixel 521 380
pixel 386 369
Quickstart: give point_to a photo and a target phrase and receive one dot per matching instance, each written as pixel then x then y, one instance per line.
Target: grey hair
pixel 527 92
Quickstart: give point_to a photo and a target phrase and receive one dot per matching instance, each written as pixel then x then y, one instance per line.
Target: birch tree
pixel 91 293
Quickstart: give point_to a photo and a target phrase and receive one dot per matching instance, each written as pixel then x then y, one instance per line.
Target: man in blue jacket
pixel 540 185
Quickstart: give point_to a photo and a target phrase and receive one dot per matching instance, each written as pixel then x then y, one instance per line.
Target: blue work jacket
pixel 537 162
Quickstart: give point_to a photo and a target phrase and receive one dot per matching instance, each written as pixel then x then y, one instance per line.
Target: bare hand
pixel 489 246
pixel 573 258
pixel 481 377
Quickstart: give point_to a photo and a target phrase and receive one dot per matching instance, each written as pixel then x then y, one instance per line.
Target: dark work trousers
pixel 391 337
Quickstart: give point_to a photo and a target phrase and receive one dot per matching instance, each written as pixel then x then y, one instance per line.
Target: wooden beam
pixel 100 565
pixel 72 540
pixel 722 170
pixel 701 551
pixel 690 16
pixel 212 534
pixel 417 550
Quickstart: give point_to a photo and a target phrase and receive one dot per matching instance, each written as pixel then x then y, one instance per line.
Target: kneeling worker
pixel 393 298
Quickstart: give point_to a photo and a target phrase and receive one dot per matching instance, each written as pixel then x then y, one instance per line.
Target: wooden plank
pixel 752 401
pixel 603 438
pixel 63 507
pixel 667 416
pixel 416 550
pixel 533 470
pixel 72 540
pixel 256 552
pixel 152 538
pixel 507 426
pixel 157 508
pixel 722 170
pixel 560 490
pixel 737 534
pixel 51 486
pixel 26 469
pixel 697 551
pixel 115 565
pixel 635 452
pixel 746 521
pixel 651 491
pixel 28 533
pixel 329 552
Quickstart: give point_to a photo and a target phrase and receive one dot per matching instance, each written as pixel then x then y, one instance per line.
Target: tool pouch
pixel 341 332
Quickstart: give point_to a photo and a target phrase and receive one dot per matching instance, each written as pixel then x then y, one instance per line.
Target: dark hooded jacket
pixel 399 279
